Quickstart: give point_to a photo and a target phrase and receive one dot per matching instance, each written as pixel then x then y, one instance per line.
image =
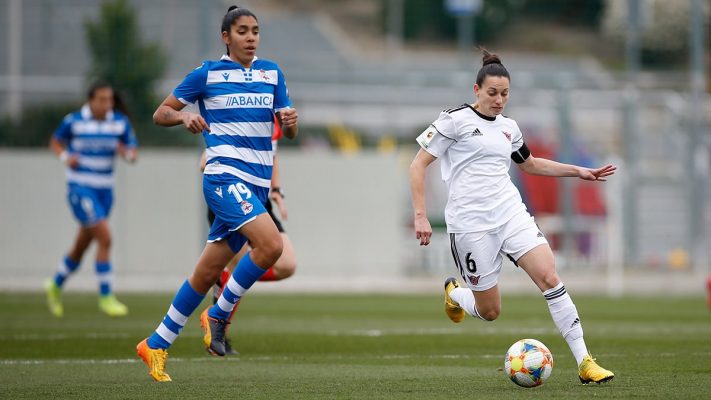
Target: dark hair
pixel 491 66
pixel 119 103
pixel 233 13
pixel 96 85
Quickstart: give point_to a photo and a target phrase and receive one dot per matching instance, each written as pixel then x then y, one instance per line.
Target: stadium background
pixel 592 82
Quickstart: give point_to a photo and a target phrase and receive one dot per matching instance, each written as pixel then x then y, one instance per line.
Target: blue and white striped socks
pixel 66 267
pixel 244 276
pixel 103 273
pixel 184 303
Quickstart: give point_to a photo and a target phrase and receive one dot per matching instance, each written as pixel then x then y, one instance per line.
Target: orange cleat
pixel 155 360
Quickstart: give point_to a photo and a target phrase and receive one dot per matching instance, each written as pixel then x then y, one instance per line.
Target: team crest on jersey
pixel 474 279
pixel 247 207
pixel 508 135
pixel 265 76
pixel 218 191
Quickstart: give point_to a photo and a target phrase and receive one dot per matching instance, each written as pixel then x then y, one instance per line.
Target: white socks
pixel 465 298
pixel 566 318
pixel 565 315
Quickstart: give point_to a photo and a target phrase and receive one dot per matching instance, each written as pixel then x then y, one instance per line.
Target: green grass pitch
pixel 352 346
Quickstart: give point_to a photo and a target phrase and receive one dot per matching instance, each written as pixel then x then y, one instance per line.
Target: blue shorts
pixel 90 205
pixel 235 203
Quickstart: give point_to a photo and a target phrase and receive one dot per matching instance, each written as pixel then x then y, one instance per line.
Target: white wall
pixel 348 222
pixel 344 218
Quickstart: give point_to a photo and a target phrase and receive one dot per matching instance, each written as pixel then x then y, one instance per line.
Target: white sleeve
pixel 445 126
pixel 437 138
pixel 516 138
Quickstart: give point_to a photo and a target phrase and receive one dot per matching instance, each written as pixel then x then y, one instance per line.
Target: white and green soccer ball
pixel 528 363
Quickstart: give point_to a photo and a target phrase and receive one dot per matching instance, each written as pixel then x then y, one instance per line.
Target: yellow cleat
pixel 155 360
pixel 111 306
pixel 589 371
pixel 454 312
pixel 54 298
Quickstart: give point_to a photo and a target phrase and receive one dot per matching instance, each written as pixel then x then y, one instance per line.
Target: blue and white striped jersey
pixel 238 104
pixel 95 142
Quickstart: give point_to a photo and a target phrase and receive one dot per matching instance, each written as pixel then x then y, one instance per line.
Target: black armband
pixel 278 190
pixel 521 155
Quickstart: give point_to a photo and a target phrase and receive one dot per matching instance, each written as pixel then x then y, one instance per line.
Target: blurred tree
pixel 664 31
pixel 568 12
pixel 429 20
pixel 35 125
pixel 120 56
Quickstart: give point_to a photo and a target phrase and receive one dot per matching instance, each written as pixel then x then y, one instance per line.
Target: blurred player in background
pixel 238 96
pixel 286 264
pixel 87 142
pixel 485 215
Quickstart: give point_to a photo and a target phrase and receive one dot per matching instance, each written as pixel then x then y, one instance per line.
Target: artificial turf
pixel 299 346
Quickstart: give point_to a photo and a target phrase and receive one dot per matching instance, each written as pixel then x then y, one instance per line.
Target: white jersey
pixel 475 153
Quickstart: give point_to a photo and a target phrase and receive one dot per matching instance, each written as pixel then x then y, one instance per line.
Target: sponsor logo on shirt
pixel 508 135
pixel 232 101
pixel 477 132
pixel 218 191
pixel 226 75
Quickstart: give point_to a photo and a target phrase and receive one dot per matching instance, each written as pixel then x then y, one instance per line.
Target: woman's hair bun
pixel 489 58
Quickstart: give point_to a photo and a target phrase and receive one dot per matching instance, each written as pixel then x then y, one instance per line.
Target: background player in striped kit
pixel 237 97
pixel 286 264
pixel 87 142
pixel 485 215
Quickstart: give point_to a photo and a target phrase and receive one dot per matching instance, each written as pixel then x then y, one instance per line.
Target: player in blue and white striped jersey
pixel 87 142
pixel 237 96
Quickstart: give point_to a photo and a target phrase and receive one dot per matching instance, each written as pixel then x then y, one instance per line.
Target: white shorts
pixel 479 255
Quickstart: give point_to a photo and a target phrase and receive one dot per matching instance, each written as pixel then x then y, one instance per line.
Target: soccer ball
pixel 528 363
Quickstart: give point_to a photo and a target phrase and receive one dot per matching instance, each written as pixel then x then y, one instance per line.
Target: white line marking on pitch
pixel 78 361
pixel 441 331
pixel 84 335
pixel 8 362
pixel 66 336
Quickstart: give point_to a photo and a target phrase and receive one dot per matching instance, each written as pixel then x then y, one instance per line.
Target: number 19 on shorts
pixel 238 190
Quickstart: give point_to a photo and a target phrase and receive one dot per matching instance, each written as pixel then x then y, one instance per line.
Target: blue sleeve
pixel 281 93
pixel 64 132
pixel 128 137
pixel 193 86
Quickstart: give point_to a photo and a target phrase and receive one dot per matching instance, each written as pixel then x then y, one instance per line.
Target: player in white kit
pixel 485 215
